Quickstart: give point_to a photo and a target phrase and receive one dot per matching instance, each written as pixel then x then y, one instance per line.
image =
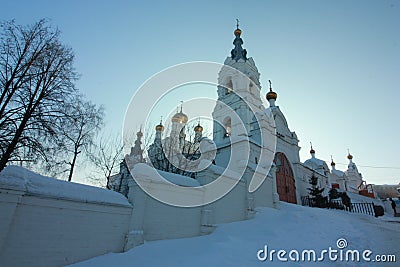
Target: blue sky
pixel 334 64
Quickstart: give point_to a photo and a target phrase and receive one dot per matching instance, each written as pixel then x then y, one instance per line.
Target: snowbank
pixel 291 227
pixel 18 178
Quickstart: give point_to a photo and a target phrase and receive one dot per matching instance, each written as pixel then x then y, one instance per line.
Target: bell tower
pixel 238 105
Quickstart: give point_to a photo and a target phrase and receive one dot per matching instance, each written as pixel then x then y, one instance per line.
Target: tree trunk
pixel 71 171
pixel 11 147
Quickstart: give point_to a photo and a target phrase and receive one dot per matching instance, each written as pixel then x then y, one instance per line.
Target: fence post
pixel 373 209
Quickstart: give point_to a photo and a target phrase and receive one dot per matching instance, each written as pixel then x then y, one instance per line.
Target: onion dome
pixel 160 127
pixel 198 128
pixel 271 94
pixel 180 117
pixel 312 151
pixel 237 32
pixel 332 162
pixel 349 156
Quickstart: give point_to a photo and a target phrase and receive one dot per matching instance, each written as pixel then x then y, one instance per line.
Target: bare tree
pixel 82 121
pixel 106 156
pixel 36 80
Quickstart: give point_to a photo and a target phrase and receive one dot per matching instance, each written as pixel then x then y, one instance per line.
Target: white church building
pixel 286 180
pixel 55 223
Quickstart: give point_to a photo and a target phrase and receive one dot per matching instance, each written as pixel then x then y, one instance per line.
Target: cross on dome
pixel 332 162
pixel 349 156
pixel 160 127
pixel 180 117
pixel 271 95
pixel 312 151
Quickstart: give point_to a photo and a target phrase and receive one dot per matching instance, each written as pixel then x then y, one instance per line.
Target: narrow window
pixel 229 87
pixel 227 125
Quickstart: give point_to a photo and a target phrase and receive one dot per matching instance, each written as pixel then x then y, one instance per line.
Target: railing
pixel 364 208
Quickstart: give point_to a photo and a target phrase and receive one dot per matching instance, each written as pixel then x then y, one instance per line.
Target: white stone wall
pixel 264 195
pixel 232 207
pixel 153 220
pixel 43 230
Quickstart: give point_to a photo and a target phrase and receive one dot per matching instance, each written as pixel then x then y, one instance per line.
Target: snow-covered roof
pixel 316 165
pixel 338 173
pixel 314 162
pixel 19 178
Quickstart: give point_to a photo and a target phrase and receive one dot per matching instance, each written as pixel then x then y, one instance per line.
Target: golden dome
pixel 237 32
pixel 160 127
pixel 272 95
pixel 349 156
pixel 180 117
pixel 198 128
pixel 312 151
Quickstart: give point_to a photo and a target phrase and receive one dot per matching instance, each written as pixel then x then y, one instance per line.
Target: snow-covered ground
pixel 293 227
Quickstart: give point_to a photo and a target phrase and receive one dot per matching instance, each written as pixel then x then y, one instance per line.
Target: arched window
pixel 229 86
pixel 227 126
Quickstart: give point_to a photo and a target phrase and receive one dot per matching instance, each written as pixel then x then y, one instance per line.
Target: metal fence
pixel 364 208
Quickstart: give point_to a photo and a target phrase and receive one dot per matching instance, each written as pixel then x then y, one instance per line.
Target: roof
pixel 316 164
pixel 338 173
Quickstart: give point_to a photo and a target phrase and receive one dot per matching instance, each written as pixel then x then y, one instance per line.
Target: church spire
pixel 238 52
pixel 312 151
pixel 271 95
pixel 349 156
pixel 333 164
pixel 160 127
pixel 137 150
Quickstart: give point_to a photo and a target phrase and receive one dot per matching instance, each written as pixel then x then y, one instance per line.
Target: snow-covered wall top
pixel 143 171
pixel 356 198
pixel 18 178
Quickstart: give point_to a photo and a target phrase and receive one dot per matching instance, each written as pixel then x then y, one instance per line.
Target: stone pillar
pixel 250 204
pixel 206 226
pixel 137 198
pixel 275 194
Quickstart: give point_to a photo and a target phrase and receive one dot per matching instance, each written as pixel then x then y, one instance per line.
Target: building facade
pixel 239 117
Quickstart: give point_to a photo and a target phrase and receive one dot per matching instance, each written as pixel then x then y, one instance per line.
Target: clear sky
pixel 334 64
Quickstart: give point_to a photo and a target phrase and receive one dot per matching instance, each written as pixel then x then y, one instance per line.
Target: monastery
pixel 239 112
